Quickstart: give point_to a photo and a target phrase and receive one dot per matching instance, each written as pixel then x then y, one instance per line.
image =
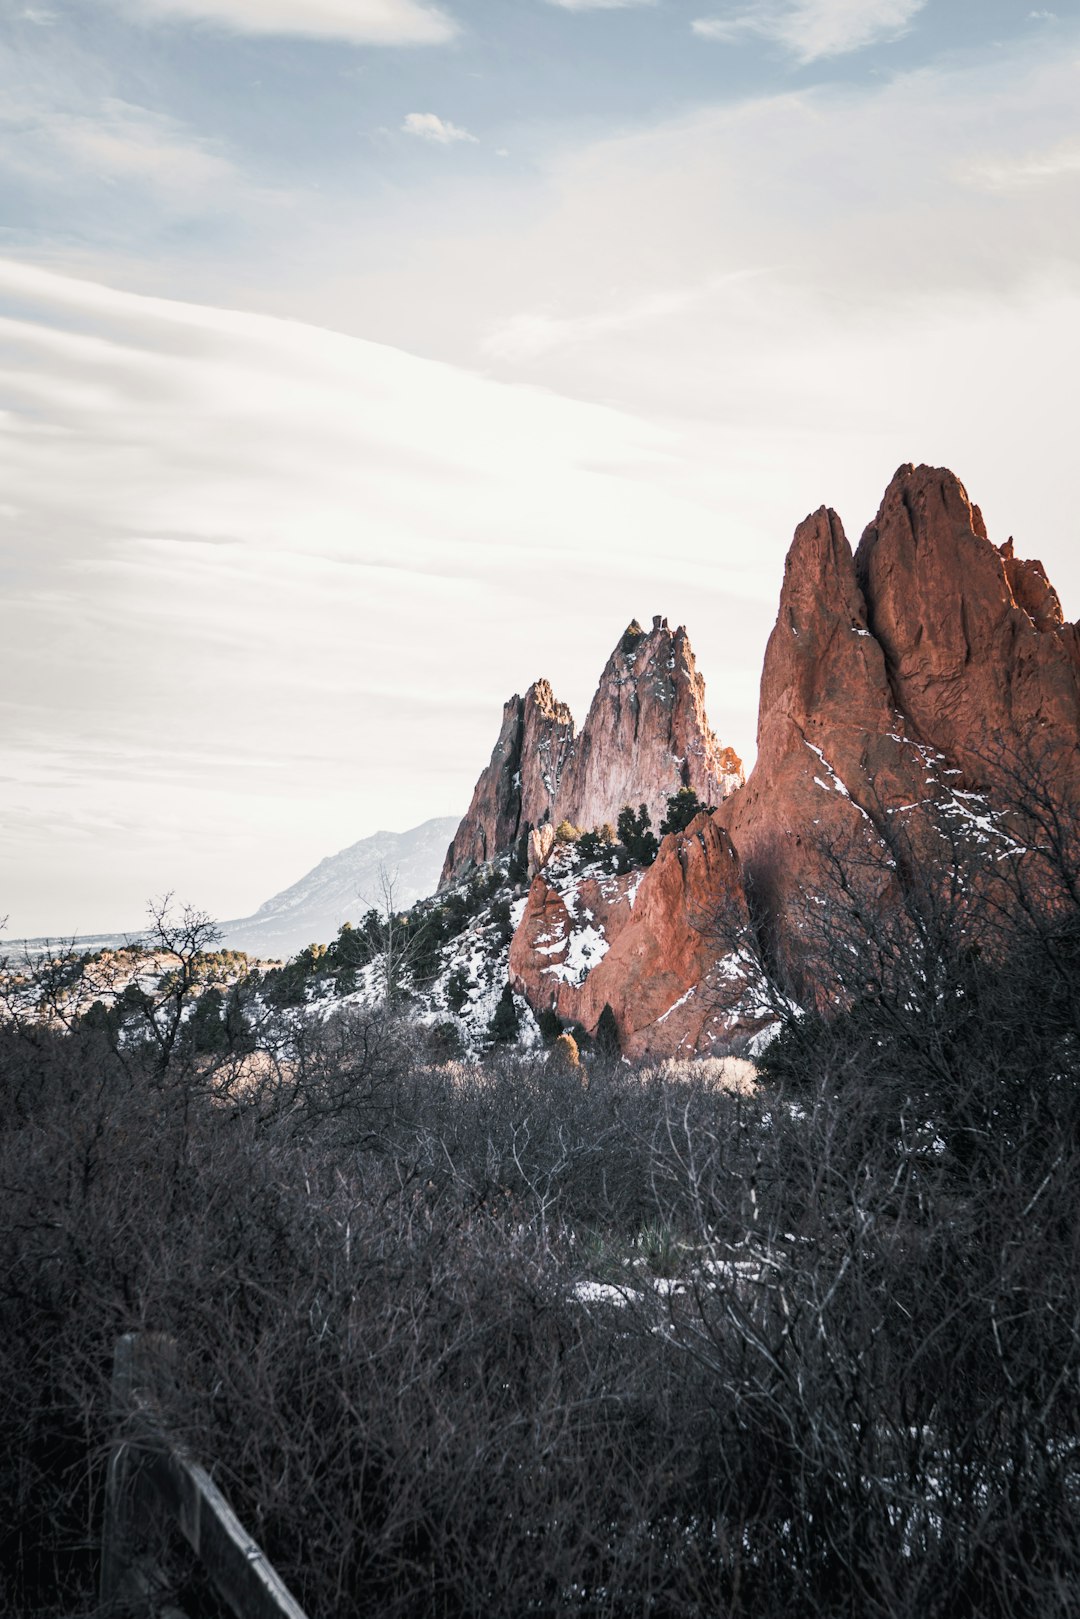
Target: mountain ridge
pixel 386 867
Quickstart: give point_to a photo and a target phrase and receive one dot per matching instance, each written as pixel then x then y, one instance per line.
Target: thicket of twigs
pixel 828 1363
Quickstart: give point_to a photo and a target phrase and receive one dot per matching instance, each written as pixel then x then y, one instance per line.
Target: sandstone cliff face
pixel 830 741
pixel 645 737
pixel 893 679
pixel 518 787
pixel 643 943
pixel 646 734
pixel 977 652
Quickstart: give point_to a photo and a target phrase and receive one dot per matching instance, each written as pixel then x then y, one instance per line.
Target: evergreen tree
pixel 681 809
pixel 504 1026
pixel 550 1025
pixel 518 869
pixel 606 1040
pixel 205 1028
pixel 457 990
pixel 637 836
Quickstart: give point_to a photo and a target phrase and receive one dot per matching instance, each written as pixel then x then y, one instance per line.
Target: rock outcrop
pixel 517 790
pixel 645 737
pixel 646 734
pixel 914 673
pixel 644 943
pixel 978 655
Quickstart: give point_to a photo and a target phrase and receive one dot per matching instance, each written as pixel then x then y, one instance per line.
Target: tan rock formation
pixel 891 680
pixel 646 734
pixel 517 789
pixel 541 844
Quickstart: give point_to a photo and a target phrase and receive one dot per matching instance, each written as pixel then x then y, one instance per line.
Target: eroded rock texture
pixel 645 736
pixel 923 671
pixel 517 790
pixel 642 943
pixel 916 679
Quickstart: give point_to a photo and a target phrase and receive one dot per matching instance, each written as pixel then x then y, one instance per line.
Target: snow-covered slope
pixel 342 887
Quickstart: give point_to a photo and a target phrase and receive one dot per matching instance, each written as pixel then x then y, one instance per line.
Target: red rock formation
pixel 518 788
pixel 890 680
pixel 646 734
pixel 977 652
pixel 643 943
pixel 830 742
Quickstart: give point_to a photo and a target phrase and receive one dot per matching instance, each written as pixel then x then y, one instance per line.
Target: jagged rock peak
pixel 895 675
pixel 646 734
pixel 975 643
pixel 518 787
pixel 891 678
pixel 541 696
pixel 1031 589
pixel 821 658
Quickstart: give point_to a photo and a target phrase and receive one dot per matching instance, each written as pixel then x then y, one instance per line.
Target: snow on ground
pixel 475 964
pixel 584 943
pixel 674 1007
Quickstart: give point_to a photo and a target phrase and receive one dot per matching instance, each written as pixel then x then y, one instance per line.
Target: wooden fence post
pixel 148 1470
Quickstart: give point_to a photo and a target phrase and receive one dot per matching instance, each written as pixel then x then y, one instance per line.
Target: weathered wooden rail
pixel 151 1479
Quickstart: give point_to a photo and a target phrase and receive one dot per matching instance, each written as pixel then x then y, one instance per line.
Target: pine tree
pixel 504 1026
pixel 606 1039
pixel 637 836
pixel 681 809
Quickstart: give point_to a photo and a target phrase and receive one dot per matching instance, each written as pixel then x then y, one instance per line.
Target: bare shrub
pixel 463 1340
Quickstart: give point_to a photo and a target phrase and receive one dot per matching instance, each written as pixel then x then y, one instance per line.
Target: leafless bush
pixel 486 1341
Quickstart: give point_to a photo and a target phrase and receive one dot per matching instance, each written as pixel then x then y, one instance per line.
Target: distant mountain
pixel 342 887
pixel 17 951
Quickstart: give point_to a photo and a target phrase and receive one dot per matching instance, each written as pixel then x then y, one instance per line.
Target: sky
pixel 362 361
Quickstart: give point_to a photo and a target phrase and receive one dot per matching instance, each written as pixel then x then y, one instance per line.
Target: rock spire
pixel 646 736
pixel 517 789
pixel 908 673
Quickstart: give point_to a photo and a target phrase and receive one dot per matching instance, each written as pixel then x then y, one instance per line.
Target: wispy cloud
pixel 360 22
pixel 529 336
pixel 814 28
pixel 1033 168
pixel 205 509
pixel 430 127
pixel 599 5
pixel 115 140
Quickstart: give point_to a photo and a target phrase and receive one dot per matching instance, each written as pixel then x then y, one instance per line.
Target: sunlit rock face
pixel 517 789
pixel 646 736
pixel 908 682
pixel 904 687
pixel 644 943
pixel 978 654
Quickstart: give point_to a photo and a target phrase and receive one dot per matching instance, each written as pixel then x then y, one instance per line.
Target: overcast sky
pixel 363 360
